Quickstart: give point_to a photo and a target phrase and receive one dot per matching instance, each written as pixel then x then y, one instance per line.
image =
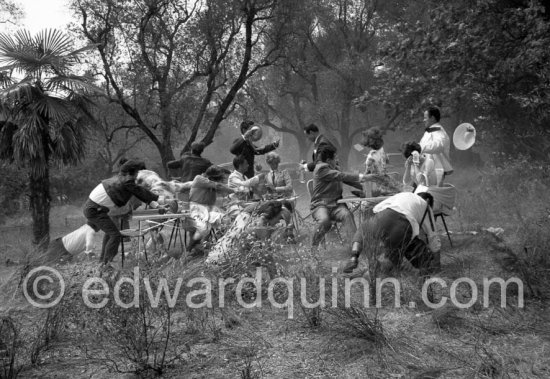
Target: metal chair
pixel 444 202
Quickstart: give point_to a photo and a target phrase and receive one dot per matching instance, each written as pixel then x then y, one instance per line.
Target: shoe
pixel 106 268
pixel 351 265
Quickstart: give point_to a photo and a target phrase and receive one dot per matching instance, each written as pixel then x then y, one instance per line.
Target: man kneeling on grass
pixel 396 224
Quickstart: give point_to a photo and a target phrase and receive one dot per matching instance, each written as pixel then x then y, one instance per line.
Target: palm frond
pixel 53 42
pixel 76 53
pixel 84 104
pixel 56 110
pixel 23 37
pixel 5 79
pixel 71 83
pixel 29 142
pixel 67 145
pixel 21 91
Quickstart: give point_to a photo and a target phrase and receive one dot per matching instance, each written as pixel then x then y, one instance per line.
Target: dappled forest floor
pixel 409 341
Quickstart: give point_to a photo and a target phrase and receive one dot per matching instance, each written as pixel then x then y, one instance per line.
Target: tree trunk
pixel 345 141
pixel 166 155
pixel 40 208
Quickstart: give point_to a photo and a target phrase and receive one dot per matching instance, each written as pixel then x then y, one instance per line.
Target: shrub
pixel 10 349
pixel 137 339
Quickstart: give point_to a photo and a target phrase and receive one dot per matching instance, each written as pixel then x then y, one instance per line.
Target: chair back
pixel 444 198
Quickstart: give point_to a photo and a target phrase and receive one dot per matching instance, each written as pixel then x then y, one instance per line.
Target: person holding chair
pixel 397 223
pixel 109 194
pixel 327 190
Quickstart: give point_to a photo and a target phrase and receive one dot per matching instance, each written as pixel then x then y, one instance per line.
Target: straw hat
pixel 257 133
pixel 464 136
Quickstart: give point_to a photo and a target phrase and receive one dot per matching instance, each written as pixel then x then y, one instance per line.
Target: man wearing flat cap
pixel 110 194
pixel 244 145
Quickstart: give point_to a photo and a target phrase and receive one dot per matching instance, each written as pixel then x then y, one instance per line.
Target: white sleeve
pixel 434 142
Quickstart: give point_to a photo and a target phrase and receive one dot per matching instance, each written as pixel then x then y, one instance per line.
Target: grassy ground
pixel 412 341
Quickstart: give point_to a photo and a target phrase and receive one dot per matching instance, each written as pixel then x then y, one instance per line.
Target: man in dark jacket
pixel 191 164
pixel 320 142
pixel 312 134
pixel 110 194
pixel 244 145
pixel 327 190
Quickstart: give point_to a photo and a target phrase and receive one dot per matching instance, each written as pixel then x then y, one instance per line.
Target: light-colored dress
pixel 376 162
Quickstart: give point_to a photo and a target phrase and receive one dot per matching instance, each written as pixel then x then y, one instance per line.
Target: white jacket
pixel 437 143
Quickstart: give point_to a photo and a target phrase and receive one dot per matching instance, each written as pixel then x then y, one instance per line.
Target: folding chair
pixel 444 202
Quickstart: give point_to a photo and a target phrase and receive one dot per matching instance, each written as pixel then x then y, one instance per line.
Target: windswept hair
pixel 373 138
pixel 409 147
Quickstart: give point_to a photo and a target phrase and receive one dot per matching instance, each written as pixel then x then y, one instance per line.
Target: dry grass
pixel 406 342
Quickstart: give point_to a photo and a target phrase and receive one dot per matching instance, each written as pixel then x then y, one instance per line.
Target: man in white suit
pixel 436 143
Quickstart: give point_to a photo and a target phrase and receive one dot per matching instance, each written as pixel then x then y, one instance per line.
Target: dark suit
pixel 324 141
pixel 191 165
pixel 245 148
pixel 320 141
pixel 327 190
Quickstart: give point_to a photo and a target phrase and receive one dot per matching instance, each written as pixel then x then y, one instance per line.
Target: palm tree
pixel 44 106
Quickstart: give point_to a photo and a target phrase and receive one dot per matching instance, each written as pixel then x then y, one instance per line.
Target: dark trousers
pixel 324 215
pixel 395 231
pixel 98 218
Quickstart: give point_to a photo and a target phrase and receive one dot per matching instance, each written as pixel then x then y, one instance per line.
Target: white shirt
pixel 100 196
pixel 376 161
pixel 80 240
pixel 438 144
pixel 413 207
pixel 239 182
pixel 423 174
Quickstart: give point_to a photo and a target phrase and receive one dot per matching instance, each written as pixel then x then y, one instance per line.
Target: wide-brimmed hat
pixel 464 136
pixel 257 132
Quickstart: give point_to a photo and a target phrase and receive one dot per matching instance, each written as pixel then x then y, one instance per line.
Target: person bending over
pixel 396 223
pixel 109 194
